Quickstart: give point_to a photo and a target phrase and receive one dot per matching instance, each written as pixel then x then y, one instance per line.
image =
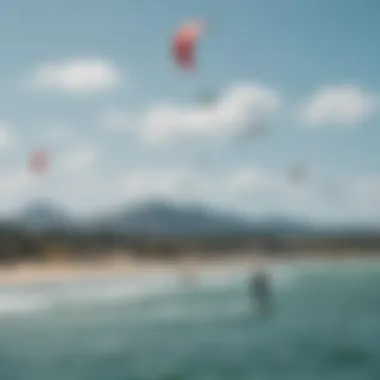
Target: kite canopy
pixel 38 161
pixel 184 43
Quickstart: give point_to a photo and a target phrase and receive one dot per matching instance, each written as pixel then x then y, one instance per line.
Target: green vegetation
pixel 18 244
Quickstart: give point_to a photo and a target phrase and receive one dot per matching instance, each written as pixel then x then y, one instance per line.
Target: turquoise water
pixel 327 326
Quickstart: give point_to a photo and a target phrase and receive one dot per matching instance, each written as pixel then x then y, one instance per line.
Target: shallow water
pixel 326 326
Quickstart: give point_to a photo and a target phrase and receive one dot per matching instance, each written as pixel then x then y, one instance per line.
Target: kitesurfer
pixel 261 292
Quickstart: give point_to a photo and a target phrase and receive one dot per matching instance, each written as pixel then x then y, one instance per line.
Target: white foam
pixel 110 290
pixel 15 304
pixel 131 288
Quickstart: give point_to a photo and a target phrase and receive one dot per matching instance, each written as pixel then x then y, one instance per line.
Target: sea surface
pixel 326 326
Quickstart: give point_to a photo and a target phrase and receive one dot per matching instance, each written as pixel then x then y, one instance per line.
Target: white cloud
pixel 77 161
pixel 16 186
pixel 94 190
pixel 239 106
pixel 342 104
pixel 6 136
pixel 250 190
pixel 143 183
pixel 366 191
pixel 250 183
pixel 117 121
pixel 76 75
pixel 233 186
pixel 58 134
pixel 247 179
pixel 14 181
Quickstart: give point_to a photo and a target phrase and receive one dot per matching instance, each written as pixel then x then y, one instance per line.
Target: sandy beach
pixel 58 271
pixel 64 270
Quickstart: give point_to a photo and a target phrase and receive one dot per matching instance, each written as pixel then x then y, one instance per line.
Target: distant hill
pixel 169 219
pixel 161 218
pixel 43 216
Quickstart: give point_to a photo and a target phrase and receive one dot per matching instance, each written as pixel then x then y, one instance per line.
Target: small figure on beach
pixel 261 292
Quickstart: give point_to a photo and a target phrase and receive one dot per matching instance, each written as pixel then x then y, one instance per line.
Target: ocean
pixel 326 326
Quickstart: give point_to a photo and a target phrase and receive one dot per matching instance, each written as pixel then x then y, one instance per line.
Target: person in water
pixel 261 292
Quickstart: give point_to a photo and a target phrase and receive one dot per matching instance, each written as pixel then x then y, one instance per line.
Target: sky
pixel 94 84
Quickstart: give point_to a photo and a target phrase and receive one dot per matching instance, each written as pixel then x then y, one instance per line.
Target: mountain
pixel 166 219
pixel 43 216
pixel 170 219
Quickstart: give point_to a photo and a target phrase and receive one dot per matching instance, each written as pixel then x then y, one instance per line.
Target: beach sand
pixel 63 270
pixel 25 272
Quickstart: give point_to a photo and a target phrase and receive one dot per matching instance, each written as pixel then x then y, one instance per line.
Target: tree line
pixel 20 244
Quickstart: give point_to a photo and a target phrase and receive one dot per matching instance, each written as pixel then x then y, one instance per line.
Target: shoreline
pixel 32 272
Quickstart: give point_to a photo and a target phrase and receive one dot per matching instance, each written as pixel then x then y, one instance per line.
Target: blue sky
pixel 93 81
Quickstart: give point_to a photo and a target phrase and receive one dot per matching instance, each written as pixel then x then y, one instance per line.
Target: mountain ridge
pixel 165 218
